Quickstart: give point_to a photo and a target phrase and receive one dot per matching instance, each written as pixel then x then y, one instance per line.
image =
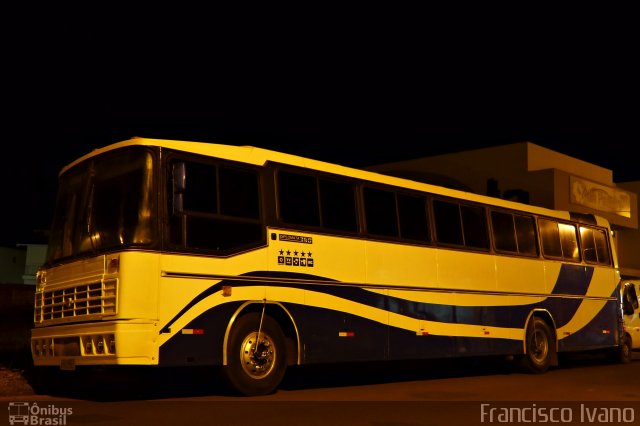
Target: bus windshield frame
pixel 105 203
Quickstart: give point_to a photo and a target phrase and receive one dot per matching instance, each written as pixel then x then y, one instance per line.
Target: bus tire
pixel 623 353
pixel 255 367
pixel 539 347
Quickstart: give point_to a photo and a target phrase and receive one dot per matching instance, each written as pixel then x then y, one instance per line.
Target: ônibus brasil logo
pixel 32 414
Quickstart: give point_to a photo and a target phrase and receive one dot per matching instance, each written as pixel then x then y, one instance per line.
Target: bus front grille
pixel 78 303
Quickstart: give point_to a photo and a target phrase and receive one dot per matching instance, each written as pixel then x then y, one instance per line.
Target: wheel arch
pixel 281 315
pixel 546 316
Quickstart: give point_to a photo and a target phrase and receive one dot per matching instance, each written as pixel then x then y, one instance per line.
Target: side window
pixel 380 212
pixel 412 211
pixel 309 200
pixel 338 205
pixel 550 238
pixel 219 208
pixel 526 235
pixel 448 224
pixel 298 199
pixel 201 190
pixel 559 240
pixel 462 225
pixel 392 214
pixel 238 193
pixel 602 248
pixel 474 227
pixel 569 242
pixel 504 231
pixel 594 245
pixel 514 233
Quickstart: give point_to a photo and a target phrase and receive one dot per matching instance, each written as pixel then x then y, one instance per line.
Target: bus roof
pixel 260 157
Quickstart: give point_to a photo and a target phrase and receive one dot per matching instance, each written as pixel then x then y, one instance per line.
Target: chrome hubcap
pixel 258 355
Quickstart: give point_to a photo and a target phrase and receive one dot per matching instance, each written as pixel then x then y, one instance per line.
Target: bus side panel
pixel 519 275
pixel 328 335
pixel 465 270
pixel 585 307
pixel 600 332
pixel 480 326
pixel 201 341
pixel 410 345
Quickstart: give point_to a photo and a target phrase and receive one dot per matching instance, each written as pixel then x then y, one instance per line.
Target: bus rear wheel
pixel 623 353
pixel 256 360
pixel 539 348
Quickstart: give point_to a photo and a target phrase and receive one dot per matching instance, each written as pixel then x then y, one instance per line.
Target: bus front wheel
pixel 539 347
pixel 256 360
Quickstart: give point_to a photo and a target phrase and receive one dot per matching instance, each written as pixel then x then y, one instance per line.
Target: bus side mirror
pixel 179 173
pixel 627 309
pixel 627 305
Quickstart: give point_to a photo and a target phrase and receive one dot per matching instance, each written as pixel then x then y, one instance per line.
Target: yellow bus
pixel 178 253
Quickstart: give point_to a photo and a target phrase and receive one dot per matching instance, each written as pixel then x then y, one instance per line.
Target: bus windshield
pixel 104 203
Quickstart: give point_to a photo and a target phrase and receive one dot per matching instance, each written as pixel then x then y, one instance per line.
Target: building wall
pixel 629 240
pixel 12 261
pixel 540 158
pixel 36 255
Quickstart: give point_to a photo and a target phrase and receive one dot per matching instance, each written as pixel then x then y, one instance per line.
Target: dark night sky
pixel 353 93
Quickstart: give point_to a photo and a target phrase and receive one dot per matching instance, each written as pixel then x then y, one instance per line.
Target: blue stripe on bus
pixel 598 333
pixel 572 280
pixel 370 340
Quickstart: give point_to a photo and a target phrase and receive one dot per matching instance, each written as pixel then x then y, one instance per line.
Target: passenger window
pixel 559 240
pixel 238 193
pixel 514 233
pixel 448 224
pixel 602 248
pixel 504 231
pixel 474 226
pixel 201 191
pixel 526 234
pixel 594 245
pixel 298 199
pixel 338 205
pixel 462 225
pixel 569 241
pixel 380 212
pixel 220 208
pixel 550 238
pixel 413 217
